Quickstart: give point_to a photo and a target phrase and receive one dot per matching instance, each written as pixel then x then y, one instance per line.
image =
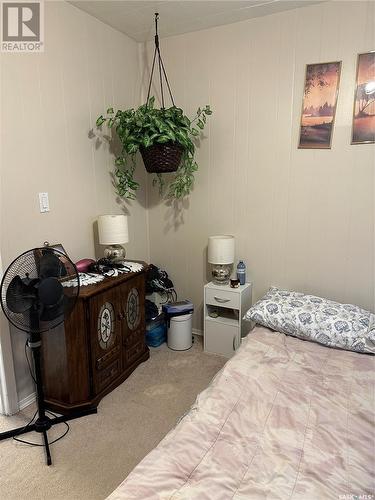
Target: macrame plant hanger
pixel 163 157
pixel 162 72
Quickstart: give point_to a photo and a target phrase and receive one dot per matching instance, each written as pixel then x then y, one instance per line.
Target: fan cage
pixel 26 266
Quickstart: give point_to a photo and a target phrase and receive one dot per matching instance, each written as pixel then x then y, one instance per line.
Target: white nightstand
pixel 222 335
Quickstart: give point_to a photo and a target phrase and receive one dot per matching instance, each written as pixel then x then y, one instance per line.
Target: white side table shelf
pixel 222 334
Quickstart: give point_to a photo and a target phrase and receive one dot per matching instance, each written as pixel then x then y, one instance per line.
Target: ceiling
pixel 136 18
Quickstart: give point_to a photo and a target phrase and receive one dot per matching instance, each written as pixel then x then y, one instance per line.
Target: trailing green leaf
pixel 99 121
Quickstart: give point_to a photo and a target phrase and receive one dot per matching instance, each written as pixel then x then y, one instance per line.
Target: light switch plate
pixel 43 202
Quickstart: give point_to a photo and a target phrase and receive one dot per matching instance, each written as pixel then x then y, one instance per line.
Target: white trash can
pixel 180 336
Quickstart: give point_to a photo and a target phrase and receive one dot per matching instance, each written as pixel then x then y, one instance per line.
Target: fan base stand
pixel 42 425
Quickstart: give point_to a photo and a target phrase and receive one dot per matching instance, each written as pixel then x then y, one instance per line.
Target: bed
pixel 285 418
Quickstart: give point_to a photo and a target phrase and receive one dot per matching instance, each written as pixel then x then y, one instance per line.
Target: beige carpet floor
pixel 100 450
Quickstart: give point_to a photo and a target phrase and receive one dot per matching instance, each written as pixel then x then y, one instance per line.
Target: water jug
pixel 241 272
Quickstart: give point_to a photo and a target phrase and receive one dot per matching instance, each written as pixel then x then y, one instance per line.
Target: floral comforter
pixel 285 418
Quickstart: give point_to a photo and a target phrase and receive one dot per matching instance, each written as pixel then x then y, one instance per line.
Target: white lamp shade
pixel 113 229
pixel 221 249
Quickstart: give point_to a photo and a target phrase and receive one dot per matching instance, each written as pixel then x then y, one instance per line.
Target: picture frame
pixel 363 121
pixel 319 103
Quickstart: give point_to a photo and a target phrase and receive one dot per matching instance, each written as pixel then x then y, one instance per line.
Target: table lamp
pixel 113 232
pixel 221 256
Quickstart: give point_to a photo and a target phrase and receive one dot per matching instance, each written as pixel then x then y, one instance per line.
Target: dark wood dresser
pixel 99 346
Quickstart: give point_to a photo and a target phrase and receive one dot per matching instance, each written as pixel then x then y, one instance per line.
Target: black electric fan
pixel 35 300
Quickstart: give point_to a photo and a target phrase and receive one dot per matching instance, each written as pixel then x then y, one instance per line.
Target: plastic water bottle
pixel 241 272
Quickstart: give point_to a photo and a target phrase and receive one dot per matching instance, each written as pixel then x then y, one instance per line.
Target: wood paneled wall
pixel 303 219
pixel 49 103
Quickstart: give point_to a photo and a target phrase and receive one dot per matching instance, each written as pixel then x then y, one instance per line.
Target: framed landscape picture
pixel 319 105
pixel 363 130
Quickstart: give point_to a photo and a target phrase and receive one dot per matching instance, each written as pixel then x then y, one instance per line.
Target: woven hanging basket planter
pixel 162 158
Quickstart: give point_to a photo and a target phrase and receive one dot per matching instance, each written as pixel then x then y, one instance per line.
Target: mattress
pixel 285 418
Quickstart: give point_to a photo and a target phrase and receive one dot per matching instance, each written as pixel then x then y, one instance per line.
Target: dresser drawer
pixel 134 352
pixel 223 298
pixel 107 375
pixel 103 361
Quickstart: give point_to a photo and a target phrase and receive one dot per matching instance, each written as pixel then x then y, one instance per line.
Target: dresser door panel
pixel 132 298
pixel 105 338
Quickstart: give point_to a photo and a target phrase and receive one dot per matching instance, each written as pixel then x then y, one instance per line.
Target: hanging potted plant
pixel 164 137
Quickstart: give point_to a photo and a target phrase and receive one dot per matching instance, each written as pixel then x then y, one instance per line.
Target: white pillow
pixel 308 317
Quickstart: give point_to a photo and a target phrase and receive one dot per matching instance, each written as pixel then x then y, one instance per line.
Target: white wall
pixel 49 103
pixel 302 219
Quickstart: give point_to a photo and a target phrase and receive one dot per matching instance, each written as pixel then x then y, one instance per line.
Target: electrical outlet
pixel 43 202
